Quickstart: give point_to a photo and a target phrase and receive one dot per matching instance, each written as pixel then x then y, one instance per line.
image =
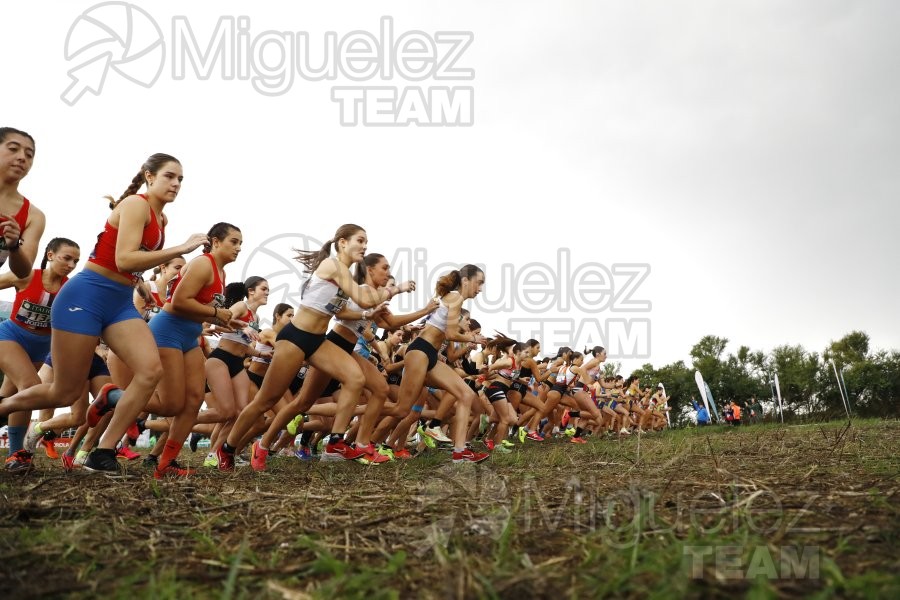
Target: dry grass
pixel 607 518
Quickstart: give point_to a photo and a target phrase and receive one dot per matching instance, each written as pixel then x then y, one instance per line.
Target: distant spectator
pixel 735 413
pixel 755 411
pixel 702 413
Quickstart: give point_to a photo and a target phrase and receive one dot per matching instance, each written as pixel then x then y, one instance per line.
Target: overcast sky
pixel 746 152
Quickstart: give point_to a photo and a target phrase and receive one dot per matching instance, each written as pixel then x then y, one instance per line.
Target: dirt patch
pixel 791 510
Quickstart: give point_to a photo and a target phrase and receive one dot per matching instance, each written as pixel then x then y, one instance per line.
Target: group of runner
pixel 140 349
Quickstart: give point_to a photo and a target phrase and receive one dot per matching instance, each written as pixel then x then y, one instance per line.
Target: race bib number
pixel 34 315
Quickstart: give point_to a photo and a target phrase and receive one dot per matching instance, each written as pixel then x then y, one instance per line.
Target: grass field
pixel 761 511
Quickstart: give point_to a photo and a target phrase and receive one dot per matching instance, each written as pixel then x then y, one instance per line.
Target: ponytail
pixel 447 284
pixel 311 259
pixel 142 291
pixel 452 280
pixel 234 293
pixel 153 165
pixel 563 351
pixel 136 183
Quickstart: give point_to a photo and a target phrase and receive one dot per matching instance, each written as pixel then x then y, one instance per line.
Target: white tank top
pixel 568 377
pixel 323 296
pixel 359 325
pixel 239 336
pixel 439 317
pixel 262 348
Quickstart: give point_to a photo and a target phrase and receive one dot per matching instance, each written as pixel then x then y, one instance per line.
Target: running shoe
pixel 523 433
pixel 294 426
pixel 303 454
pixel 427 439
pixel 490 444
pixel 19 462
pixel 341 451
pixel 211 461
pixel 102 460
pixel 483 421
pixel 258 456
pixel 434 433
pixel 32 437
pixel 469 456
pixel 224 460
pixel 578 440
pixel 151 461
pixel 386 451
pixel 68 462
pixel 100 406
pixel 126 453
pixel 371 456
pixel 173 469
pixel 195 439
pixel 402 454
pixel 506 444
pixel 133 433
pixel 50 448
pixel 535 436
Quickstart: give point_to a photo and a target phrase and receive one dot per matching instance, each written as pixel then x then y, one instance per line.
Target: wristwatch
pixel 15 247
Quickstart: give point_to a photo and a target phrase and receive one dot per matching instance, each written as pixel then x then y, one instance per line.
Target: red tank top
pixel 21 218
pixel 211 294
pixel 104 253
pixel 31 309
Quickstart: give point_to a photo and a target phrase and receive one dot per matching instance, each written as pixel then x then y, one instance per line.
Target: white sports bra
pixel 323 296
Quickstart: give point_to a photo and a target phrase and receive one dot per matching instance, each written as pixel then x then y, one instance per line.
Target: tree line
pixel 807 379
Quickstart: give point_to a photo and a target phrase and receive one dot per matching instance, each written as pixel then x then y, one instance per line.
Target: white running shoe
pixel 437 435
pixel 32 438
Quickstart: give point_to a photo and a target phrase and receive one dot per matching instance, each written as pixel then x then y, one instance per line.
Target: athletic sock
pixel 16 437
pixel 170 453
